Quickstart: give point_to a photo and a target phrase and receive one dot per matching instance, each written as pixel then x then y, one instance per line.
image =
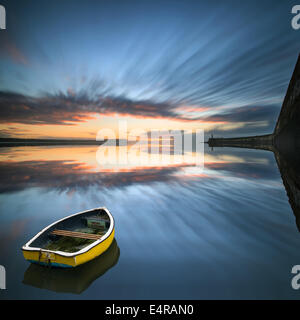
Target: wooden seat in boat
pixel 74 234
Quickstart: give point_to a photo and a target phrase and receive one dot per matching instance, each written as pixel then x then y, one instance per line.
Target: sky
pixel 69 68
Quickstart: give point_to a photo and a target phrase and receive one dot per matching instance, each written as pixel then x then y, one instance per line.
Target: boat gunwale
pixel 27 247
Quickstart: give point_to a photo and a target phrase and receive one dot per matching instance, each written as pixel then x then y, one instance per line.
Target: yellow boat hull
pixel 57 260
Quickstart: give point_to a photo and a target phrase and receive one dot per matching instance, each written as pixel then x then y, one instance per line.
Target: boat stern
pixel 47 258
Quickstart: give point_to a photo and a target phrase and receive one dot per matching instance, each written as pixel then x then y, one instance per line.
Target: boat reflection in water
pixel 75 280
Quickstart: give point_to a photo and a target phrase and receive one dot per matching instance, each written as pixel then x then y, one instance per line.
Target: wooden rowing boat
pixel 73 240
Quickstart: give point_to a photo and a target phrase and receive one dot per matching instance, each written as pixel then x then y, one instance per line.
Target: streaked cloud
pixel 247 114
pixel 193 65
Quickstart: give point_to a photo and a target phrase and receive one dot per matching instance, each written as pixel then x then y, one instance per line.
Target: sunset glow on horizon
pixel 88 127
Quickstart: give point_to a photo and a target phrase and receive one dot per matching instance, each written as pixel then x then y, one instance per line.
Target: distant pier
pixel 265 142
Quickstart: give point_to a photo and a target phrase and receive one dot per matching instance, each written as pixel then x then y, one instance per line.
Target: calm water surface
pixel 181 233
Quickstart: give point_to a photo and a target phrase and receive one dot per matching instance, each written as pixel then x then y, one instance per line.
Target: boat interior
pixel 74 233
